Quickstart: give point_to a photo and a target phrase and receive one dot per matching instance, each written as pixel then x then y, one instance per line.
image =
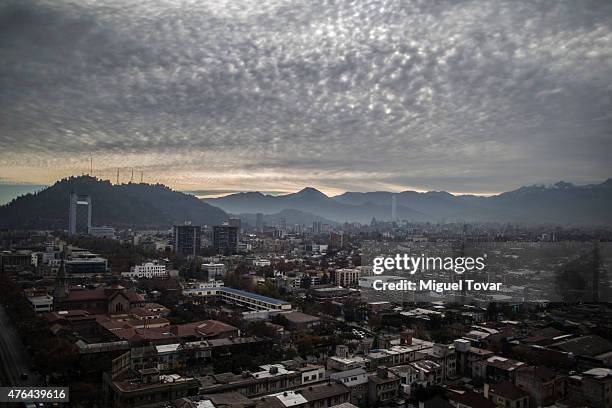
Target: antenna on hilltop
pixel 117 176
pixel 132 178
pixel 91 165
pixel 141 176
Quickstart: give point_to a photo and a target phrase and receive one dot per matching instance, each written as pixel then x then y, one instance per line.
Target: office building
pixel 102 232
pixel 86 264
pixel 187 239
pixel 79 218
pixel 148 270
pixel 225 239
pixel 242 298
pixel 347 277
pixel 259 223
pixel 234 222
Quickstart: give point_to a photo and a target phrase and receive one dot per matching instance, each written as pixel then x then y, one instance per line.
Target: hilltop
pixel 131 205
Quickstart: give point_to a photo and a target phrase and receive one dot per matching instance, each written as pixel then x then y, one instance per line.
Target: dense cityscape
pixel 243 314
pixel 305 204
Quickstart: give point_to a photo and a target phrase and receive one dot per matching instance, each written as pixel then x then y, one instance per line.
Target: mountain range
pixel 123 205
pixel 140 205
pixel 560 203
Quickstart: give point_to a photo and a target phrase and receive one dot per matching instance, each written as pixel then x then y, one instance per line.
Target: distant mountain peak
pixel 607 183
pixel 310 192
pixel 563 184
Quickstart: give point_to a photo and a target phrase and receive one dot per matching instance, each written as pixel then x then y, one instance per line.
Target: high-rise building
pixel 234 222
pixel 187 239
pixel 259 223
pixel 316 227
pixel 393 208
pixel 79 217
pixel 336 240
pixel 225 239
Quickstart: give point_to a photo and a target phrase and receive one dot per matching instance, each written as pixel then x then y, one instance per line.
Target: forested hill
pixel 132 205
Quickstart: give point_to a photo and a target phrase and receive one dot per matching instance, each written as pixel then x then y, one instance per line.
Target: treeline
pixel 120 256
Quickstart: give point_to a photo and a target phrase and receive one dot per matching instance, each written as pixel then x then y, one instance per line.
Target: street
pixel 13 360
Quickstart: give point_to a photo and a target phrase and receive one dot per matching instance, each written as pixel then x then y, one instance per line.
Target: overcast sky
pixel 274 95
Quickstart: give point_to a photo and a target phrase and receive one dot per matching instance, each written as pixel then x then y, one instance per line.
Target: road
pixel 13 359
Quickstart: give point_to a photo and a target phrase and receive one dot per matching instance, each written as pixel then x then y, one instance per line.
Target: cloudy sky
pixel 274 95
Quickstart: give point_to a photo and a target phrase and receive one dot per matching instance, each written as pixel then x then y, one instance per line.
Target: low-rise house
pixel 319 396
pixel 147 386
pixel 409 379
pixel 468 399
pixel 357 381
pixel 542 384
pixel 445 356
pixel 506 395
pixel 383 387
pixel 428 373
pixel 466 356
pixel 593 386
pixel 497 369
pixel 337 363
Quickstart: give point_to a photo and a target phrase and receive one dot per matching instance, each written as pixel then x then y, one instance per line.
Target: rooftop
pixel 590 346
pixel 508 390
pixel 323 391
pixel 504 363
pixel 253 296
pixel 599 373
pixel 299 317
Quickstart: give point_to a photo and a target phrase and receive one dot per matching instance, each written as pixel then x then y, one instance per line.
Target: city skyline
pixel 465 97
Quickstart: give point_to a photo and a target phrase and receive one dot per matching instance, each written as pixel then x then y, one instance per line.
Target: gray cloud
pixel 273 94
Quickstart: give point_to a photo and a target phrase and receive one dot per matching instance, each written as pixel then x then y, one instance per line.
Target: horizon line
pixel 221 193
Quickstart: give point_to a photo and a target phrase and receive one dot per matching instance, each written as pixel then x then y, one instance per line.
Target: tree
pixel 280 320
pixel 260 329
pixel 268 289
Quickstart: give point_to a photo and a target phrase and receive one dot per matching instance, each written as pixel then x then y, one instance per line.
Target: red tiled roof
pixel 114 325
pixel 139 311
pixel 80 295
pixel 203 329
